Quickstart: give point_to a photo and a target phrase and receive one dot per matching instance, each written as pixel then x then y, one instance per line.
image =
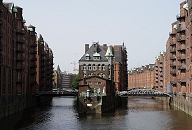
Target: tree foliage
pixel 75 83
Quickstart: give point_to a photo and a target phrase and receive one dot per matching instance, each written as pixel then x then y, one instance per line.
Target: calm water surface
pixel 61 114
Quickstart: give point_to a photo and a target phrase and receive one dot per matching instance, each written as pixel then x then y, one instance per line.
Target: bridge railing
pixel 143 92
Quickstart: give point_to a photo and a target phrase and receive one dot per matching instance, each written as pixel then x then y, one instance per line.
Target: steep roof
pixel 95 50
pixel 118 53
pixel 109 52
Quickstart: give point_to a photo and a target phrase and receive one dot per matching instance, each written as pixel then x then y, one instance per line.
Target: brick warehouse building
pixel 178 59
pixel 173 69
pixel 179 52
pixel 20 64
pixel 142 77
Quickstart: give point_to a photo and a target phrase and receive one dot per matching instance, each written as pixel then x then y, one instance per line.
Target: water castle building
pixel 102 72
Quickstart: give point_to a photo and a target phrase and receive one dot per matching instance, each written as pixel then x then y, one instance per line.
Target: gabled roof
pixel 93 51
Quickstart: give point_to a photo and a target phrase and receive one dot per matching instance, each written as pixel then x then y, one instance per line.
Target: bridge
pixel 57 93
pixel 143 92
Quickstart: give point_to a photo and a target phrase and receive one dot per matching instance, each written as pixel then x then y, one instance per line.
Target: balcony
pixel 172 33
pixel 33 59
pixel 1 45
pixel 181 48
pixel 1 59
pixel 161 66
pixel 1 22
pixel 161 74
pixel 173 82
pixel 173 50
pixel 19 81
pixel 181 57
pixel 33 66
pixel 33 72
pixel 181 28
pixel 181 67
pixel 20 50
pixel 20 68
pixel 173 65
pixel 33 45
pixel 173 72
pixel 21 41
pixel 20 59
pixel 34 52
pixel 172 57
pixel 182 81
pixel 181 39
pixel 180 16
pixel 1 34
pixel 33 82
pixel 21 31
pixel 172 43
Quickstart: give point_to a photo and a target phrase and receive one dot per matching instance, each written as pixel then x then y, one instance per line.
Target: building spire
pixel 109 52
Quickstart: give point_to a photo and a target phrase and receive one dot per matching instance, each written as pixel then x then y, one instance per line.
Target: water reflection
pixel 61 114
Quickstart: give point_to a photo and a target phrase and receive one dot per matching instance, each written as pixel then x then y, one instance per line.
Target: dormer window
pixel 87 57
pixel 96 56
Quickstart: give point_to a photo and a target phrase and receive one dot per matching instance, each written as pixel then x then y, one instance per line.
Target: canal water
pixel 61 114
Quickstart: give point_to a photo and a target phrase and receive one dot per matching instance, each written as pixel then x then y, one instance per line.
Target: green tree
pixel 75 83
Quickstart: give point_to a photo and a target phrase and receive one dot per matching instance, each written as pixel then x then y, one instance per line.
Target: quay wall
pixel 21 103
pixel 180 102
pixel 183 103
pixel 104 104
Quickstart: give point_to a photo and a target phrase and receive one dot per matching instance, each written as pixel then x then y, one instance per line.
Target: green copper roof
pixel 96 54
pixel 175 26
pixel 185 6
pixel 109 52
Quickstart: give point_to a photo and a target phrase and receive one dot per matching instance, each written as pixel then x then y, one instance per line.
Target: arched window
pixel 84 66
pixel 103 67
pixel 99 67
pixel 109 66
pixel 94 67
pixel 89 66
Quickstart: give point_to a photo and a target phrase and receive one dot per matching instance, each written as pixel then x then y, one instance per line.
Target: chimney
pixel 105 47
pixel 86 47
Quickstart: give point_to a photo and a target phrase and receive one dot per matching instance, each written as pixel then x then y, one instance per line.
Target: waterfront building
pixel 159 72
pixel 142 77
pixel 106 62
pixel 18 61
pixel 44 65
pixel 179 51
pixel 67 79
pixel 102 72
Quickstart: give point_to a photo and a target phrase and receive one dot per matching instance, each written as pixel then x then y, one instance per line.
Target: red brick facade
pixel 26 66
pixel 142 77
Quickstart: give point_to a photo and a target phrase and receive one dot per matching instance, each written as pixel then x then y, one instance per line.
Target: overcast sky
pixel 66 25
